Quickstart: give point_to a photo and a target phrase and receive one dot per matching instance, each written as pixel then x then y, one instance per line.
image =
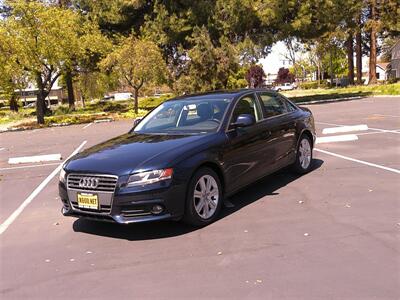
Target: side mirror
pixel 244 120
pixel 136 121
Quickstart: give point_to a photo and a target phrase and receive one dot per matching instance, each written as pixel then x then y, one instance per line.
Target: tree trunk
pixel 13 103
pixel 331 66
pixel 359 54
pixel 40 101
pixel 372 54
pixel 350 58
pixel 136 102
pixel 359 50
pixel 70 89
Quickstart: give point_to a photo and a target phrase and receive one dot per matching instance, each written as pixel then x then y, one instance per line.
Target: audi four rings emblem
pixel 89 182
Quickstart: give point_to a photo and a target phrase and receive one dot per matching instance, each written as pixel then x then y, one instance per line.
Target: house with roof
pixel 382 71
pixel 394 67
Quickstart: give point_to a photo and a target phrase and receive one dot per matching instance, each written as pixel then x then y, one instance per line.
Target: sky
pixel 275 59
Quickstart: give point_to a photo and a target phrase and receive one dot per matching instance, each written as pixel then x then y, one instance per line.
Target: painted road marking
pixel 359 161
pixel 40 187
pixel 34 159
pixel 370 128
pixel 374 132
pixel 345 129
pixel 336 138
pixel 391 116
pixel 30 166
pixel 87 125
pixel 1 149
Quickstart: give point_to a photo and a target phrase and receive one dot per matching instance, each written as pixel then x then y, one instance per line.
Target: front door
pixel 244 152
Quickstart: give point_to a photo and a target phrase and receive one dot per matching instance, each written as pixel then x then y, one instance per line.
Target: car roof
pixel 220 94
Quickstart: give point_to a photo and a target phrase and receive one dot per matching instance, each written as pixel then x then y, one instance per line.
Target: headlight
pixel 63 175
pixel 149 177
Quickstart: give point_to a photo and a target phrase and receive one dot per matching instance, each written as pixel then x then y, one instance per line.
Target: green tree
pixel 136 62
pixel 207 66
pixel 45 40
pixel 12 76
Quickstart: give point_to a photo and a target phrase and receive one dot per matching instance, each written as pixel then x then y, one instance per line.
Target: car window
pixel 186 115
pixel 274 105
pixel 247 105
pixel 291 107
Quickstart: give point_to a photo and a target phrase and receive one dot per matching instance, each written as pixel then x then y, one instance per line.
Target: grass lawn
pixel 333 93
pixel 26 117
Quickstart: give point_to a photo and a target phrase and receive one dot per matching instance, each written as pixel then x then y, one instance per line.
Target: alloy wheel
pixel 305 153
pixel 206 196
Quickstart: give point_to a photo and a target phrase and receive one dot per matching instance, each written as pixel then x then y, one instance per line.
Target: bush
pixel 393 80
pixel 152 102
pixel 308 85
pixel 61 110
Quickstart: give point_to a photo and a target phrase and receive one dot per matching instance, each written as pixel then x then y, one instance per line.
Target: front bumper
pixel 127 208
pixel 114 218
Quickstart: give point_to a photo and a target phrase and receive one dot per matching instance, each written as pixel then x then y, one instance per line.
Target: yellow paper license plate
pixel 88 201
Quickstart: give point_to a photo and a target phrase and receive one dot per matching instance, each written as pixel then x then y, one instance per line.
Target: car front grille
pixel 105 183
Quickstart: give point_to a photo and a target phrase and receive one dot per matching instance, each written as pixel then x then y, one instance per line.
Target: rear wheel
pixel 204 198
pixel 303 161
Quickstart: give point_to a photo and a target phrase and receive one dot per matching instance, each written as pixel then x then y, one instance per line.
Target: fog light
pixel 157 209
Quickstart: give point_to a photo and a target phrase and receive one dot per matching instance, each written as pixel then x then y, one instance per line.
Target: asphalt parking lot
pixel 331 234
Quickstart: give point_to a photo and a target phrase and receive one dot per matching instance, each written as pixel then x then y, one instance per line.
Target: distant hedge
pixel 152 102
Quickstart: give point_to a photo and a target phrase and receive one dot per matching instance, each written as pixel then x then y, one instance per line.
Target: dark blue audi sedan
pixel 186 156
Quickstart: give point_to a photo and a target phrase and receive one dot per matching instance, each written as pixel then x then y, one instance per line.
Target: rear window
pixel 274 105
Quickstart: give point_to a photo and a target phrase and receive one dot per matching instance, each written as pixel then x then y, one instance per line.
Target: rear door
pixel 280 118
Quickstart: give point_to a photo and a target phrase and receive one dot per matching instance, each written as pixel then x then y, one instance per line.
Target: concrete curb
pixel 346 99
pixel 329 100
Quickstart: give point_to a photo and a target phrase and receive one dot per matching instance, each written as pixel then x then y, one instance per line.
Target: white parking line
pixel 34 159
pixel 336 138
pixel 391 116
pixel 87 125
pixel 1 149
pixel 40 187
pixel 359 161
pixel 374 132
pixel 370 128
pixel 345 129
pixel 30 166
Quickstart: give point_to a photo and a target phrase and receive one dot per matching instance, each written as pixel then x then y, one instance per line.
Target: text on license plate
pixel 88 201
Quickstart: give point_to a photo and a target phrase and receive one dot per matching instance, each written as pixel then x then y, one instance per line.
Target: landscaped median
pixel 340 93
pixel 107 111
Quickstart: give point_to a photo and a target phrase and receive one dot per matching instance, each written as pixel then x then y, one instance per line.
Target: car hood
pixel 131 151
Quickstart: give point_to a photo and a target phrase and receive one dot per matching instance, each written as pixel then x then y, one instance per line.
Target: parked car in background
pixel 30 105
pixel 287 86
pixel 117 97
pixel 122 96
pixel 184 157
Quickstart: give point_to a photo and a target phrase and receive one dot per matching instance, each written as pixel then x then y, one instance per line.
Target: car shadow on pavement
pixel 165 229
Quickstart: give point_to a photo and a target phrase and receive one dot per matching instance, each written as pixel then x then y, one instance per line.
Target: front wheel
pixel 304 157
pixel 204 198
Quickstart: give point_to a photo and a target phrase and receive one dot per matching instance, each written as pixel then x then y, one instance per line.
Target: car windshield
pixel 185 116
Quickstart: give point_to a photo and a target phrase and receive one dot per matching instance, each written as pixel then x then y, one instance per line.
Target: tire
pixel 204 198
pixel 304 155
